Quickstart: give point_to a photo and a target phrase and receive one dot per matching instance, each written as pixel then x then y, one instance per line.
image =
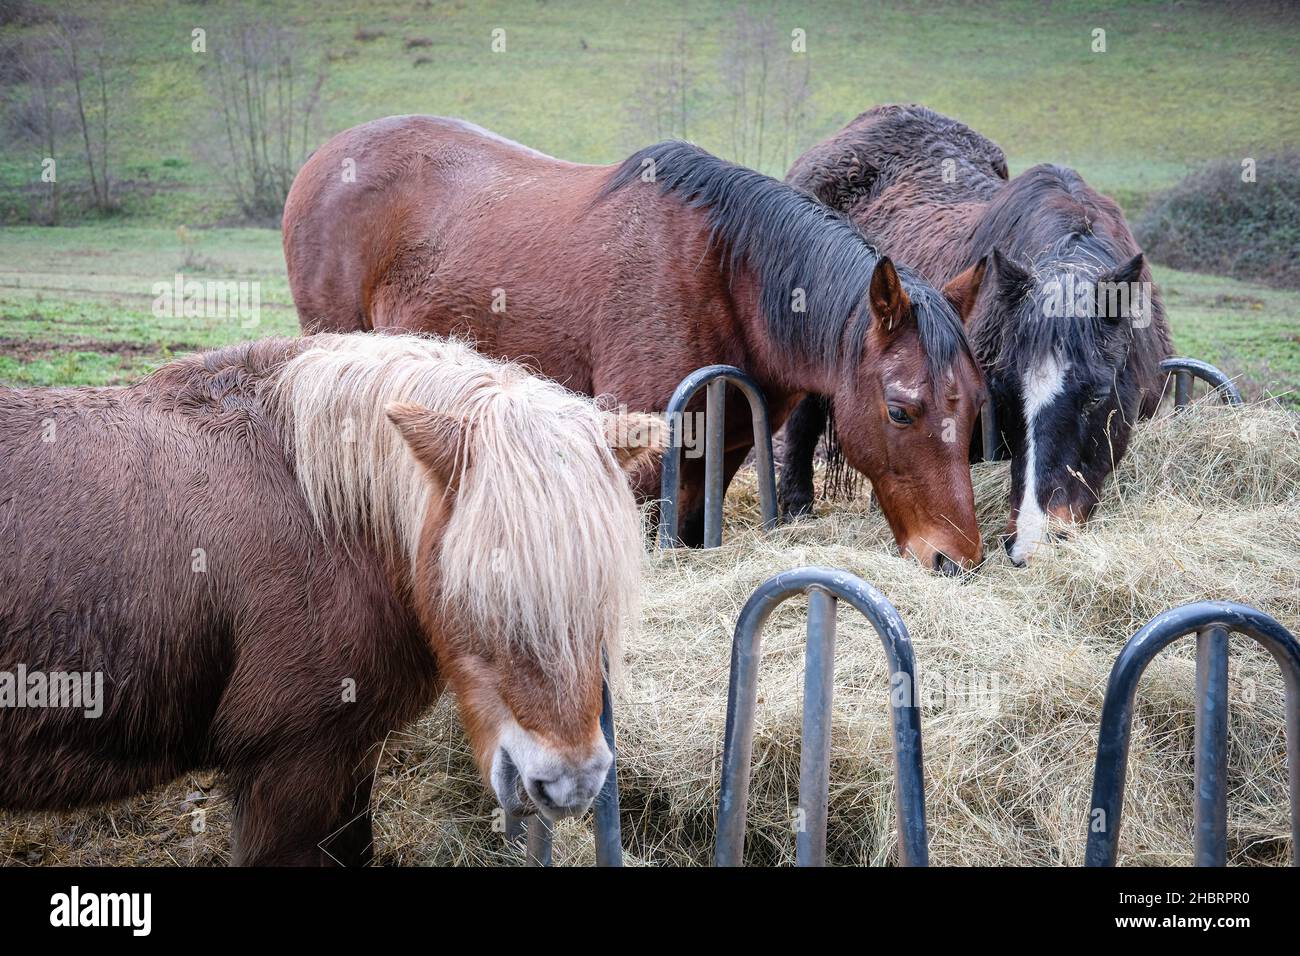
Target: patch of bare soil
pixel 30 349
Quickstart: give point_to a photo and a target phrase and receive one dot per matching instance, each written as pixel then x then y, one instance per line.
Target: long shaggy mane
pixel 543 548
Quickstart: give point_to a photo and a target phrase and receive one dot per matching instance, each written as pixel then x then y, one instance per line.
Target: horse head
pixel 1058 372
pixel 527 571
pixel 905 412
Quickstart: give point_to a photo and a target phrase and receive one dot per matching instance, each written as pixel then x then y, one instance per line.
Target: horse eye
pixel 897 414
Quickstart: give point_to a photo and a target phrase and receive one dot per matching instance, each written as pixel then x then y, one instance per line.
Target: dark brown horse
pixel 620 280
pixel 269 557
pixel 1070 332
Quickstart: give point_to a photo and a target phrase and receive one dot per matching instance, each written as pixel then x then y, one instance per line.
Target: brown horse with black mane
pixel 620 280
pixel 1070 331
pixel 275 554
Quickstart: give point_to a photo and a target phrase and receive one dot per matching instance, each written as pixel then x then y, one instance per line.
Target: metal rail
pixel 824 587
pixel 989 435
pixel 1211 621
pixel 1186 369
pixel 714 378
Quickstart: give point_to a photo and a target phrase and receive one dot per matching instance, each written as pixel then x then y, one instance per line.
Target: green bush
pixel 1214 221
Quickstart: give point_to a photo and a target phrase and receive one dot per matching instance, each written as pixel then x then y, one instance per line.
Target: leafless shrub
pixel 34 109
pixel 413 43
pixel 266 98
pixel 663 107
pixel 767 84
pixel 59 93
pixel 86 57
pixel 364 35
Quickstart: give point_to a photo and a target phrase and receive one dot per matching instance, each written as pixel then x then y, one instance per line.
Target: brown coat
pixel 619 281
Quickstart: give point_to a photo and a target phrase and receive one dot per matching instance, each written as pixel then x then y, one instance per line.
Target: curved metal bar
pixel 1185 369
pixel 742 695
pixel 541 839
pixel 1210 620
pixel 609 832
pixel 716 378
pixel 539 833
pixel 989 436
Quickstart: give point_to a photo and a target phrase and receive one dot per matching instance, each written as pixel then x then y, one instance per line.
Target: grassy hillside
pixel 1179 83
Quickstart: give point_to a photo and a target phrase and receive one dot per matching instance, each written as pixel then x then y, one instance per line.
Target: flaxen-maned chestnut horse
pixel 279 552
pixel 1070 331
pixel 620 280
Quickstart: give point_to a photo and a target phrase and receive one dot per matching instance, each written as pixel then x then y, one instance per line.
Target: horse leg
pixel 690 504
pixel 802 432
pixel 291 811
pixel 353 843
pixel 692 520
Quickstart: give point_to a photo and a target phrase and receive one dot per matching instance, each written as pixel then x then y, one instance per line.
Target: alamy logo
pixel 68 689
pixel 1075 298
pixel 75 908
pixel 184 298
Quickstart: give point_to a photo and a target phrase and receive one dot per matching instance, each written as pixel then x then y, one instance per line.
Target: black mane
pixel 1045 206
pixel 791 241
pixel 1050 222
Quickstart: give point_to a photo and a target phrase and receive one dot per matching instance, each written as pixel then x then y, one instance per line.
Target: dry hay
pixel 1013 662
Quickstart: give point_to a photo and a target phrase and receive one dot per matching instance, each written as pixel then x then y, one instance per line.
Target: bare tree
pixel 745 54
pixel 266 101
pixel 662 109
pixel 34 109
pixel 793 92
pixel 768 85
pixel 86 61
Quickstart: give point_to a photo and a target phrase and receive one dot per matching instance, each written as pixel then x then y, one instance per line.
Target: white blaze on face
pixel 558 785
pixel 1038 387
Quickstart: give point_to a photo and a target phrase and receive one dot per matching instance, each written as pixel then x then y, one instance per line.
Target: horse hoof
pixel 796 508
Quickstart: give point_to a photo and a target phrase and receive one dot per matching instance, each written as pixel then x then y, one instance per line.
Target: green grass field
pixel 76 306
pixel 1179 84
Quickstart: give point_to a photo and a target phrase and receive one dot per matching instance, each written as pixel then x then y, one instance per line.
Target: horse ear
pixel 1013 280
pixel 964 289
pixel 1115 299
pixel 889 302
pixel 439 441
pixel 635 438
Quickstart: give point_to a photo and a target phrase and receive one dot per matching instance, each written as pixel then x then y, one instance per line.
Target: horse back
pixel 452 230
pixel 915 181
pixel 379 203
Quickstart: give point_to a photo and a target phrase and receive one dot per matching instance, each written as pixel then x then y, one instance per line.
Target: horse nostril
pixel 544 795
pixel 946 565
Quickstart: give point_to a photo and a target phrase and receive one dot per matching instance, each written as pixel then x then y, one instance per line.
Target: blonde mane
pixel 543 548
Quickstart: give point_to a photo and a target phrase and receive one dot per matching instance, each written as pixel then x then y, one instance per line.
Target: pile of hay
pixel 1013 662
